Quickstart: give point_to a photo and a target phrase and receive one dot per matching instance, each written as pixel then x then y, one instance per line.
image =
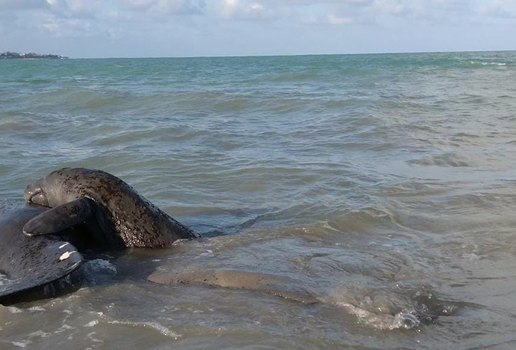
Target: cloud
pixel 59 27
pixel 445 10
pixel 75 9
pixel 192 24
pixel 243 10
pixel 338 20
pixel 21 4
pixel 335 12
pixel 86 18
pixel 504 9
pixel 163 7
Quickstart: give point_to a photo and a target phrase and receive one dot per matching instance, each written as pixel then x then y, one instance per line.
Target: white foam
pixel 93 339
pixel 405 320
pixel 40 334
pixel 152 325
pixel 208 252
pixel 180 241
pixel 37 308
pixel 14 310
pixel 92 323
pixel 402 320
pixel 21 344
pixel 63 328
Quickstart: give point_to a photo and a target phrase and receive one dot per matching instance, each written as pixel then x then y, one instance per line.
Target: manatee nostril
pixel 35 195
pixel 27 195
pixel 30 193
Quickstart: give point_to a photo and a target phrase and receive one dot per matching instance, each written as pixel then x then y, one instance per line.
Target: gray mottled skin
pixel 126 218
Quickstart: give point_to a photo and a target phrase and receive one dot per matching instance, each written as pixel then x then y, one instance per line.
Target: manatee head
pixel 51 190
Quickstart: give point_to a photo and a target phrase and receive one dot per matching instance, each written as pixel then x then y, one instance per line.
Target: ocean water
pixel 384 183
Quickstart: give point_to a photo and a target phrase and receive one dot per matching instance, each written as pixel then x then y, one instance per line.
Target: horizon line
pixel 292 55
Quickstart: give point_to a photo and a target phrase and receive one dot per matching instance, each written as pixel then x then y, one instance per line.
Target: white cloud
pixel 445 10
pixel 75 8
pixel 242 10
pixel 165 7
pixel 59 27
pixel 152 23
pixel 505 9
pixel 338 20
pixel 286 11
pixel 21 4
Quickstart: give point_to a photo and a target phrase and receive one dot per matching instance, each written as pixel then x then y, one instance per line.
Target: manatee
pixel 281 286
pixel 32 267
pixel 125 218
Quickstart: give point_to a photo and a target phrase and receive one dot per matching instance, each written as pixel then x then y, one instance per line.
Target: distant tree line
pixel 14 55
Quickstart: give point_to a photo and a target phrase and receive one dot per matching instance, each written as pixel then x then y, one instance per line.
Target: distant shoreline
pixel 289 55
pixel 30 55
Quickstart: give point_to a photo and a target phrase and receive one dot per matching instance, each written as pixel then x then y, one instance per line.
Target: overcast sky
pixel 157 28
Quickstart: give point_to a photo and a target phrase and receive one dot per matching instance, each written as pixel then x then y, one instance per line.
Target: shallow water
pixel 384 183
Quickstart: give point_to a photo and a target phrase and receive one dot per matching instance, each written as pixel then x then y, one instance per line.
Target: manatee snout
pixel 34 194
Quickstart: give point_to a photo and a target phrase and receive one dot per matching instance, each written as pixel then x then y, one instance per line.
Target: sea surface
pixel 384 183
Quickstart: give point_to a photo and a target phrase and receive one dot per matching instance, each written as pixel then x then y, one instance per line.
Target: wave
pixel 449 159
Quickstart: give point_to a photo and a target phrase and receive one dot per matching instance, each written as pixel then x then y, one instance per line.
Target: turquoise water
pixel 383 182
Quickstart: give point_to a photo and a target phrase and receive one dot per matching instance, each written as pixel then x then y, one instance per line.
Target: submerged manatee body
pixel 281 286
pixel 32 267
pixel 125 218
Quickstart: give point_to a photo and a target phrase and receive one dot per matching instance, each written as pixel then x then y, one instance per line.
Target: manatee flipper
pixel 57 219
pixel 39 262
pixel 32 267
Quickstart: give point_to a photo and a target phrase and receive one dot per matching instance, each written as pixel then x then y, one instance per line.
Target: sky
pixel 178 28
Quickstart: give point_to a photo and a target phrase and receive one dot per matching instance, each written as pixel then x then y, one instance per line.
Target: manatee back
pixel 127 218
